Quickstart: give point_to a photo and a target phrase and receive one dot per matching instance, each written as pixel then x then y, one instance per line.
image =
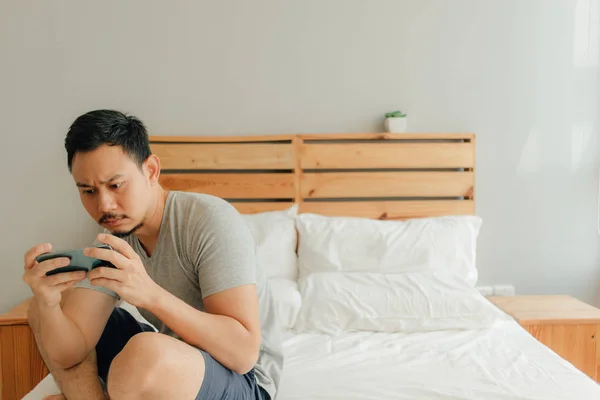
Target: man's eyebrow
pixel 85 185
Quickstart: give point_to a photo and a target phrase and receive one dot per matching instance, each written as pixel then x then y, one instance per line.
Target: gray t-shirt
pixel 204 246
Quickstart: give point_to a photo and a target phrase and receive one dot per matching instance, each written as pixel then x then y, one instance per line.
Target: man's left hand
pixel 130 279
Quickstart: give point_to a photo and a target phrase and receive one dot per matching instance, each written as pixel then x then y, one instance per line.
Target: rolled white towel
pixel 46 387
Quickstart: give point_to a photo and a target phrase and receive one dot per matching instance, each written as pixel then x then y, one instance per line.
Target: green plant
pixel 395 114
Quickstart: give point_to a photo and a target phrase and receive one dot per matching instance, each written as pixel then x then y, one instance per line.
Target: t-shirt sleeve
pixel 86 284
pixel 223 249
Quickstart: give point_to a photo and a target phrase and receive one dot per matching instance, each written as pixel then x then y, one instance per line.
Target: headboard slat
pixel 386 184
pixel 221 139
pixel 387 136
pixel 233 186
pixel 390 210
pixel 387 155
pixel 224 156
pixel 263 206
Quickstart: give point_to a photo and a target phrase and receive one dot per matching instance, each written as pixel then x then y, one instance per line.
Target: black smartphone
pixel 78 261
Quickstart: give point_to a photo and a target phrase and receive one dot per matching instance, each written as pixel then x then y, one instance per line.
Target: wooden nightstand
pixel 569 327
pixel 21 366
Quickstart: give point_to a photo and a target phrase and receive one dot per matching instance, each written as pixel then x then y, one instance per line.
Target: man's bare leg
pixel 78 382
pixel 154 366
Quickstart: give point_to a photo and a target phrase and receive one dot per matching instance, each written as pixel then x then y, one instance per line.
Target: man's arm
pixel 222 250
pixel 229 331
pixel 69 331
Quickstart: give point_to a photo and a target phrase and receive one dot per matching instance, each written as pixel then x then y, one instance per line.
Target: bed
pixel 303 195
pixel 501 363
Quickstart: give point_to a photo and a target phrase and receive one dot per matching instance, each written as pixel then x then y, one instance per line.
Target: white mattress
pixel 503 363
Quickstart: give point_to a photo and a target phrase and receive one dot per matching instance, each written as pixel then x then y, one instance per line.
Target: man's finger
pixel 118 244
pixel 107 283
pixel 34 252
pixel 66 285
pixel 111 256
pixel 64 277
pixel 106 272
pixel 52 264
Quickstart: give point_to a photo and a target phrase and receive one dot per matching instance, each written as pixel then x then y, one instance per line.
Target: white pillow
pixel 276 240
pixel 345 244
pixel 287 301
pixel 409 302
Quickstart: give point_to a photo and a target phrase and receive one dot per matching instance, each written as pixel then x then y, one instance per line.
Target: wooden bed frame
pixel 381 175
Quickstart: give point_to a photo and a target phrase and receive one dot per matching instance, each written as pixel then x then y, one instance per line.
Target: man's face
pixel 113 189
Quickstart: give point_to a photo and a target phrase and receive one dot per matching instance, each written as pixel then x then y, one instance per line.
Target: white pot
pixel 396 125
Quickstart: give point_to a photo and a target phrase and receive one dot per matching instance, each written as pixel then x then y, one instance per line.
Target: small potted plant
pixel 395 121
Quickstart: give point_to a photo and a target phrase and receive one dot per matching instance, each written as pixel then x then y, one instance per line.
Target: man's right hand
pixel 48 289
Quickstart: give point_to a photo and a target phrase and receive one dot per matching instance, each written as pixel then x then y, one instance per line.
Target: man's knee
pixel 136 369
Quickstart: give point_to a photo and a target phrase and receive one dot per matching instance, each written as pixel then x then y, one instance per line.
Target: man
pixel 186 260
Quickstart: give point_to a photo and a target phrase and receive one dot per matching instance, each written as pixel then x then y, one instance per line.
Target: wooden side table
pixel 568 326
pixel 21 365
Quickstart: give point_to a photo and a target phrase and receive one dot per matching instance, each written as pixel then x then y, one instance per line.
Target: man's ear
pixel 152 168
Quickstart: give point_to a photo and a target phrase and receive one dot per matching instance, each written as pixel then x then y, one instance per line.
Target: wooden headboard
pixel 383 176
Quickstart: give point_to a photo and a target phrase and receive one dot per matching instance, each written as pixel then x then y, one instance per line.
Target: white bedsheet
pixel 503 363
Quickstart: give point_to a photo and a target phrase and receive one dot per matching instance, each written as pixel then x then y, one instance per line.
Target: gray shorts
pixel 222 383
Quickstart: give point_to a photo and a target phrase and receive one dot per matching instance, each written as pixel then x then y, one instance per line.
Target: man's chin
pixel 124 233
pixel 121 234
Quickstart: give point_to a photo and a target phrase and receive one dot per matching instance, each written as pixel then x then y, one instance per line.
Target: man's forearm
pixel 61 339
pixel 224 338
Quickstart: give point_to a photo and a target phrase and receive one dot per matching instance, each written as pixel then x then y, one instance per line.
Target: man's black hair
pixel 108 127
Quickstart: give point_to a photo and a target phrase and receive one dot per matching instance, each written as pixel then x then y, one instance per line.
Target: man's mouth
pixel 112 222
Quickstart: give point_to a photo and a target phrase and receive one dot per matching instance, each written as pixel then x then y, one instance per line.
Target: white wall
pixel 522 74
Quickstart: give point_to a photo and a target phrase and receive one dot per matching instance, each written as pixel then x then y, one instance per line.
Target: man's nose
pixel 106 202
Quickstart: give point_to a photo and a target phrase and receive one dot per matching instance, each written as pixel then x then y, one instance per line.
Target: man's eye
pixel 88 191
pixel 115 185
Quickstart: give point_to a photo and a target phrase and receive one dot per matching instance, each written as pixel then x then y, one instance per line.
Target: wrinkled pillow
pixel 276 240
pixel 287 301
pixel 350 244
pixel 334 302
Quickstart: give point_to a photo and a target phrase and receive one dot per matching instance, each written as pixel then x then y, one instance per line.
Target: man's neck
pixel 148 234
